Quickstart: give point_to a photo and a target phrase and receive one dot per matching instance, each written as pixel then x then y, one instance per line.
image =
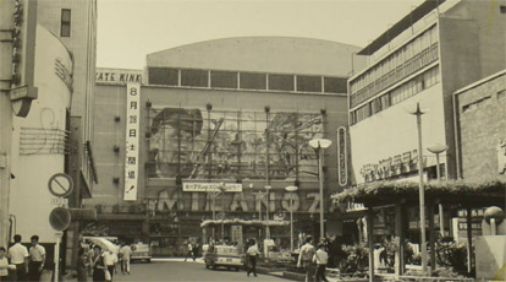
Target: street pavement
pixel 180 271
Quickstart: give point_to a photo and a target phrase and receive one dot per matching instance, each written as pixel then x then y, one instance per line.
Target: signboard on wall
pixel 118 76
pixel 342 159
pixel 212 187
pixel 132 141
pixel 195 143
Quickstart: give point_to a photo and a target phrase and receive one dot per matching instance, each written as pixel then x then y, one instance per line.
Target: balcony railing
pixel 420 60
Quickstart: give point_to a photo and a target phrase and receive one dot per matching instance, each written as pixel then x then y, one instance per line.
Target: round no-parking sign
pixel 60 185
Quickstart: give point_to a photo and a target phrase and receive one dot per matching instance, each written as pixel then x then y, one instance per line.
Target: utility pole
pixel 6 25
pixel 421 192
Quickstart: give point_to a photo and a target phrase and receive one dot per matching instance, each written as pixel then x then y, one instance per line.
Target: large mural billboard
pixel 195 143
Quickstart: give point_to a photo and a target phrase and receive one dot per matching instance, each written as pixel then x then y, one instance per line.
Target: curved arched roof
pixel 261 54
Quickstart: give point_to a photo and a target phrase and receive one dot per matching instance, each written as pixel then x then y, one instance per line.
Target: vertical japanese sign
pixel 342 158
pixel 132 141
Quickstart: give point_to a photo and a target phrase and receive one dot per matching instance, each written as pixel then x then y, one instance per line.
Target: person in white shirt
pixel 305 259
pixel 4 265
pixel 18 255
pixel 37 259
pixel 110 260
pixel 251 255
pixel 189 252
pixel 321 259
pixel 125 253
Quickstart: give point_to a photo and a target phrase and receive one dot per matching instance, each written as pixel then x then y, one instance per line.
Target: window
pixel 224 79
pixel 334 85
pixel 164 76
pixel 309 83
pixel 253 80
pixel 65 23
pixel 197 78
pixel 385 101
pixel 502 9
pixel 281 82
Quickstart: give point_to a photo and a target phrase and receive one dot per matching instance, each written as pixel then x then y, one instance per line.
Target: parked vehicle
pixel 141 251
pixel 216 256
pixel 104 242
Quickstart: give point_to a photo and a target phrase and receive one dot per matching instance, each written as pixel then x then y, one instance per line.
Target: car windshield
pixel 227 250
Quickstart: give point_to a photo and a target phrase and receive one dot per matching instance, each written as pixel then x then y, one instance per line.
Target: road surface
pixel 180 271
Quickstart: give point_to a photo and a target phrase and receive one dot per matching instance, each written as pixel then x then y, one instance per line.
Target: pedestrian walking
pixel 110 261
pixel 37 259
pixel 82 266
pixel 18 255
pixel 321 258
pixel 98 265
pixel 251 258
pixel 4 265
pixel 125 253
pixel 305 259
pixel 189 252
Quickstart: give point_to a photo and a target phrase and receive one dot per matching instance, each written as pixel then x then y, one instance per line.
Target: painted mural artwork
pixel 197 144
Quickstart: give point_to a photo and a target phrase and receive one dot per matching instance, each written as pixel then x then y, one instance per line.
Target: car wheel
pixel 214 266
pixel 207 266
pixel 148 260
pixel 237 269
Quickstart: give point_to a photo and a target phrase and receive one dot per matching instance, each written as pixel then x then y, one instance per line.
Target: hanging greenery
pixel 444 190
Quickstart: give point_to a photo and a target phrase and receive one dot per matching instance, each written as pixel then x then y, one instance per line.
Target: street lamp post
pixel 438 149
pixel 267 229
pixel 421 193
pixel 319 144
pixel 291 189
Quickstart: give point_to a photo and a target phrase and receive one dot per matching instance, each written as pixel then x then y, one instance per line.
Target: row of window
pixel 400 93
pixel 245 80
pixel 397 58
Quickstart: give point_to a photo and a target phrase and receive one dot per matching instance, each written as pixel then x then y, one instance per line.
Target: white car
pixel 141 251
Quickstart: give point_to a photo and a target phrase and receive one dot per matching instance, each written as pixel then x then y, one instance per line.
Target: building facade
pixel 422 59
pixel 480 128
pixel 232 113
pixel 53 67
pixel 440 47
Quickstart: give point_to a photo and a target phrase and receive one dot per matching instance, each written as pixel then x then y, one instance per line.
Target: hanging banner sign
pixel 342 159
pixel 212 187
pixel 132 141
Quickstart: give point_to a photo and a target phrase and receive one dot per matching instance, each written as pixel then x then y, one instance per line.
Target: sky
pixel 128 30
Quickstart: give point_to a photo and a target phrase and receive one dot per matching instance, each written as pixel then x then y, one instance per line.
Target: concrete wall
pixel 482 120
pixel 82 45
pixel 39 142
pixel 394 131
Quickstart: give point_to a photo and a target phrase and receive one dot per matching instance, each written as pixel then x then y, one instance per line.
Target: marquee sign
pixel 390 167
pixel 118 76
pixel 132 141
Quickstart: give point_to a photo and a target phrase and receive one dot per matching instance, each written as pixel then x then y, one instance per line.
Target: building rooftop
pixel 268 54
pixel 403 24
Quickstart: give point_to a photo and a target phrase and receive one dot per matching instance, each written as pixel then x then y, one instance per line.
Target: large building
pixel 437 48
pixel 234 113
pixel 51 139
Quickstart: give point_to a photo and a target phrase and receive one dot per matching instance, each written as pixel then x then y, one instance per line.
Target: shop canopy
pixel 237 221
pixel 463 193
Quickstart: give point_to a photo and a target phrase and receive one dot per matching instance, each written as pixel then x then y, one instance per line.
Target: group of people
pixel 19 263
pixel 313 260
pixel 192 250
pixel 101 265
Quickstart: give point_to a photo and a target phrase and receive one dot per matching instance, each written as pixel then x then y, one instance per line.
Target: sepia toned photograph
pixel 263 140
